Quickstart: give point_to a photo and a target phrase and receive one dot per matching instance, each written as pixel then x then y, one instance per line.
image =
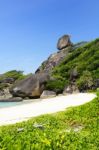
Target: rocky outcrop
pixel 48 94
pixel 31 87
pixel 53 60
pixel 5 94
pixel 34 85
pixel 64 42
pixel 65 45
pixel 7 80
pixel 70 89
pixel 73 74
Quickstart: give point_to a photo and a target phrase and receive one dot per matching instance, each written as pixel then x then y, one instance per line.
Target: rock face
pixel 53 60
pixel 68 90
pixel 48 94
pixel 65 45
pixel 73 74
pixel 8 80
pixel 31 87
pixel 71 89
pixel 64 42
pixel 5 94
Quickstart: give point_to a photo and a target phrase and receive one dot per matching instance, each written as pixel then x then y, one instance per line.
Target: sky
pixel 30 29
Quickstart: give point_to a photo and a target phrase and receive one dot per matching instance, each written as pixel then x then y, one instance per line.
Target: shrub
pixel 85 81
pixel 55 85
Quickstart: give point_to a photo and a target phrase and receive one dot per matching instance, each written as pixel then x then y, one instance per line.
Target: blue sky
pixel 29 29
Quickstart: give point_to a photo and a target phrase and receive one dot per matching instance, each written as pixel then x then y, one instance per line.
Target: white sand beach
pixel 24 112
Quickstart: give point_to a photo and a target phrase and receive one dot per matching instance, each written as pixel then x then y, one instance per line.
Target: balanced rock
pixel 31 87
pixel 65 46
pixel 64 42
pixel 48 94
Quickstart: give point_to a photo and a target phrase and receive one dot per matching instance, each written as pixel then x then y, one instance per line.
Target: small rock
pixel 48 94
pixel 77 128
pixel 40 126
pixel 15 99
pixel 68 90
pixel 20 129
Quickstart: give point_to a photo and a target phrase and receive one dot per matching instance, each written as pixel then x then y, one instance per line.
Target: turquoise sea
pixel 9 104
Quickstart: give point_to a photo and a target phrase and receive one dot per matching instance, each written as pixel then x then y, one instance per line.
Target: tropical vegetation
pixel 81 66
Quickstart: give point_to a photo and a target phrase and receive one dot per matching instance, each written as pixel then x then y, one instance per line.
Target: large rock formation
pixel 31 87
pixel 6 81
pixel 65 45
pixel 53 60
pixel 64 42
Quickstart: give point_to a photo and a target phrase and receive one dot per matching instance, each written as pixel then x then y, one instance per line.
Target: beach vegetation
pixel 76 128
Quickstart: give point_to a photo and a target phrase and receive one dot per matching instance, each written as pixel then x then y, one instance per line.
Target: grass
pixel 76 128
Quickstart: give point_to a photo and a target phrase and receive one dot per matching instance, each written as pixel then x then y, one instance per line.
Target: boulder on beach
pixel 70 89
pixel 31 87
pixel 48 94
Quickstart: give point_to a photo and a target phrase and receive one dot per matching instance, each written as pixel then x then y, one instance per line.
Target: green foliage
pixel 59 131
pixel 14 74
pixel 56 85
pixel 83 58
pixel 85 81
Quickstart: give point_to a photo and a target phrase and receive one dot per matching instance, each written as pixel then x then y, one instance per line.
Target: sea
pixel 9 104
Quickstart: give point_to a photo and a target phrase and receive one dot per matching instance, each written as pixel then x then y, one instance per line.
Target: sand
pixel 24 112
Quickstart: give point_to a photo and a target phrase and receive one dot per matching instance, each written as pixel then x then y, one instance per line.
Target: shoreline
pixel 19 113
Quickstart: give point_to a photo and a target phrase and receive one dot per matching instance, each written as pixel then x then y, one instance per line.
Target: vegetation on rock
pixel 7 80
pixel 85 60
pixel 16 75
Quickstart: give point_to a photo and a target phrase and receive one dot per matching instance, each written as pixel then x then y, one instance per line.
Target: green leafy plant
pixel 86 81
pixel 75 128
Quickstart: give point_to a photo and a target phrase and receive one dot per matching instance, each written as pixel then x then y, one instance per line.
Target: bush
pixel 85 81
pixel 16 75
pixel 55 85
